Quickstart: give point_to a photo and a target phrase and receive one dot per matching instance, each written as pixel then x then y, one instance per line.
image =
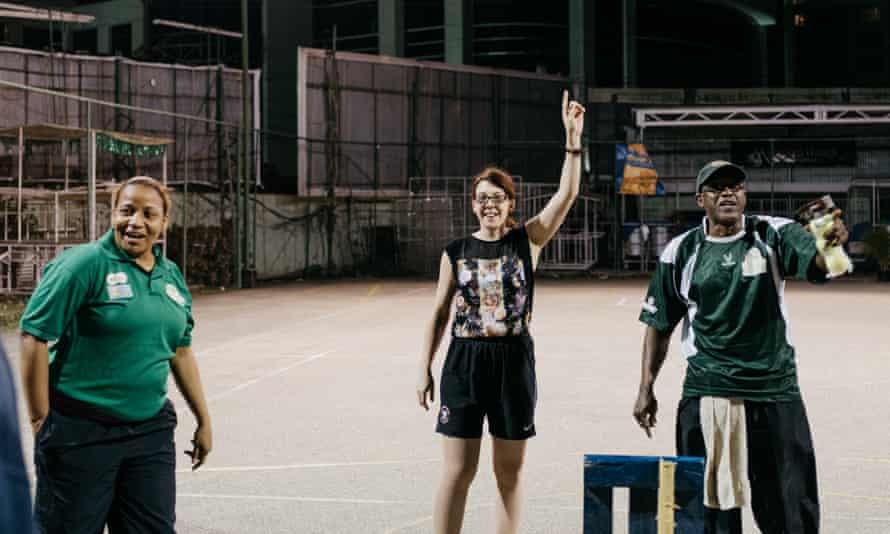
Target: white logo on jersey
pixel 649 305
pixel 727 260
pixel 754 263
pixel 173 293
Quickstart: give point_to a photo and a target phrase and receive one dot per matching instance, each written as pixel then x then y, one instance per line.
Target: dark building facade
pixel 629 43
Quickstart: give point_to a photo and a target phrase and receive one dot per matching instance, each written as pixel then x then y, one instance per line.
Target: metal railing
pixel 22 264
pixel 440 210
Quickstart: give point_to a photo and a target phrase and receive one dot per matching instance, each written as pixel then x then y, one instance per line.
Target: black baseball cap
pixel 719 168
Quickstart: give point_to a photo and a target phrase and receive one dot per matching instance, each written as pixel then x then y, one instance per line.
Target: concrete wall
pixel 291 235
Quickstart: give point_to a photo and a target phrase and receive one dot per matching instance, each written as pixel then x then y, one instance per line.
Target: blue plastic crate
pixel 640 475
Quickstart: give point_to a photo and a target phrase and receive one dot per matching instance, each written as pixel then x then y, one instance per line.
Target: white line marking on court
pixel 276 372
pixel 414 523
pixel 290 328
pixel 855 517
pixel 852 385
pixel 868 460
pixel 362 304
pixel 249 468
pixel 373 290
pixel 289 498
pixel 858 497
pixel 422 520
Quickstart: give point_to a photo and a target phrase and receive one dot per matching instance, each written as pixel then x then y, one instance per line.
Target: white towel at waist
pixel 726 441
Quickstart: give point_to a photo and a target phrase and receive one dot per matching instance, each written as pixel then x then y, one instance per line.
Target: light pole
pixel 245 146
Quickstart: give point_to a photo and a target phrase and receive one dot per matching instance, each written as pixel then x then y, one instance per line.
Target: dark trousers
pixel 90 474
pixel 781 467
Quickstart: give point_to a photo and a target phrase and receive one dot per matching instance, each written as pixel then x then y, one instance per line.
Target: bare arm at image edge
pixel 35 378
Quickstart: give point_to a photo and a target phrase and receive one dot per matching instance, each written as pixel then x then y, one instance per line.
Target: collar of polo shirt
pixel 109 246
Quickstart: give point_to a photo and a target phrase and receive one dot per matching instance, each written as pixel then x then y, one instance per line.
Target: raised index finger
pixel 565 101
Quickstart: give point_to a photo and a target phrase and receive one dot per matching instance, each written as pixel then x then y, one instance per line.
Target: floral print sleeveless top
pixel 495 285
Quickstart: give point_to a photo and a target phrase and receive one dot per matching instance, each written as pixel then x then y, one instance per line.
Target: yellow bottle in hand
pixel 836 258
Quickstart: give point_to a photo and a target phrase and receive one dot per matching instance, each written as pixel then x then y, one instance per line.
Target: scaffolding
pixel 779 180
pixel 47 221
pixel 205 158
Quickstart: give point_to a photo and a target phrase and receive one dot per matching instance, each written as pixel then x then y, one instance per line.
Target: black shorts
pixel 488 378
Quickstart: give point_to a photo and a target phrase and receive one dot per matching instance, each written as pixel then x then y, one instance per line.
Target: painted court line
pixel 290 498
pixel 845 385
pixel 426 519
pixel 429 518
pixel 867 460
pixel 288 467
pixel 857 497
pixel 260 378
pixel 364 303
pixel 856 517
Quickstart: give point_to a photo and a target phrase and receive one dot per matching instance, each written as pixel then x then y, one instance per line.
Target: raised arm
pixel 836 236
pixel 426 387
pixel 543 226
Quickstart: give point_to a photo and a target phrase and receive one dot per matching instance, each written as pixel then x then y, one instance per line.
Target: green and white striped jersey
pixel 729 292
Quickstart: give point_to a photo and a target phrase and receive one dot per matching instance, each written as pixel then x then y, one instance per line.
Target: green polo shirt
pixel 115 326
pixel 730 294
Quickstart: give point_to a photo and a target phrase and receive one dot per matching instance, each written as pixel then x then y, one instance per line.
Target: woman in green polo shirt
pixel 119 314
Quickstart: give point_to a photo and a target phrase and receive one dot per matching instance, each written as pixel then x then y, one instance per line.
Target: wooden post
pixel 67 150
pixel 56 216
pixel 21 139
pixel 91 184
pixel 666 506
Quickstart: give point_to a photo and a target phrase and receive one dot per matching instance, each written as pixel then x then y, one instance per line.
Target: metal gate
pixel 439 210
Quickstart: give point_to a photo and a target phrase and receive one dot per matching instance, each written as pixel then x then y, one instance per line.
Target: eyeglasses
pixel 734 188
pixel 496 199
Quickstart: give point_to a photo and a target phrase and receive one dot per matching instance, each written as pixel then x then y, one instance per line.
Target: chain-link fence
pixel 377 140
pixel 72 126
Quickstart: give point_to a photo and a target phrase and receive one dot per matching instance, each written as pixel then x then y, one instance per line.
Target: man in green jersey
pixel 725 279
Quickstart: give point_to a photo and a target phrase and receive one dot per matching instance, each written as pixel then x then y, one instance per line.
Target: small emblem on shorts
pixel 649 305
pixel 444 415
pixel 528 427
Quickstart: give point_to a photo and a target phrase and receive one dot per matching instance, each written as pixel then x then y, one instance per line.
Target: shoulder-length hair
pixel 500 178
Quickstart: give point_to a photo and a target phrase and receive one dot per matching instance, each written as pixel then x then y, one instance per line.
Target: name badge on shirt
pixel 754 263
pixel 174 294
pixel 122 291
pixel 114 279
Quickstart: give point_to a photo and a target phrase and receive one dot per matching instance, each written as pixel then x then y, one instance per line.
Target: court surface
pixel 317 427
